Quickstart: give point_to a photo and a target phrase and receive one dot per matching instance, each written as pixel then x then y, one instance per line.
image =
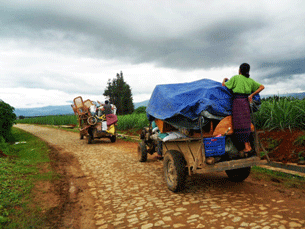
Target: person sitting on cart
pixel 107 108
pixel 244 88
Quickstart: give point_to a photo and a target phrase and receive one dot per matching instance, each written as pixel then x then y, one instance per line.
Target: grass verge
pixel 27 163
pixel 279 178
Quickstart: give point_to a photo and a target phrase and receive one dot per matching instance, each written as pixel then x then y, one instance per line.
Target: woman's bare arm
pixel 261 87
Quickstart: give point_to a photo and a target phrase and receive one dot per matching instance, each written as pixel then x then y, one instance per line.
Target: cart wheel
pixel 142 152
pixel 113 138
pixel 238 175
pixel 90 139
pixel 174 166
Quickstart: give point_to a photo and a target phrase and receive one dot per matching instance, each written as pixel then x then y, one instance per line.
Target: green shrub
pixel 300 141
pixel 3 146
pixel 7 119
pixel 301 156
pixel 140 110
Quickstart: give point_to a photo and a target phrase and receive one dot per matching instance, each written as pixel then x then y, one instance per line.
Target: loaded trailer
pixel 90 124
pixel 202 144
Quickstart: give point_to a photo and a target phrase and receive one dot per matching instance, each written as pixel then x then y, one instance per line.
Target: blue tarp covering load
pixel 190 99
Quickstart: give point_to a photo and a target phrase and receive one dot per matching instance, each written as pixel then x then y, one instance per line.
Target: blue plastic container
pixel 214 146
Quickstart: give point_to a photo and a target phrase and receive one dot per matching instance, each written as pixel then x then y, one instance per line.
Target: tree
pixel 7 119
pixel 139 110
pixel 119 93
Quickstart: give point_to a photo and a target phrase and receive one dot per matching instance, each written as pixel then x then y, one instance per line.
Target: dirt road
pixel 130 194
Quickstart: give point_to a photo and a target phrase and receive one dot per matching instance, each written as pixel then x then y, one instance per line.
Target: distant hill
pixel 140 104
pixel 56 110
pixel 43 111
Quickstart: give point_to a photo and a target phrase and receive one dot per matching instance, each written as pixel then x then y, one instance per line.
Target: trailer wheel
pixel 174 166
pixel 142 152
pixel 113 138
pixel 238 175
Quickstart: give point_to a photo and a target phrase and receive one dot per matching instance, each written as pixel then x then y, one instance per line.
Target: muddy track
pixel 75 208
pixel 104 186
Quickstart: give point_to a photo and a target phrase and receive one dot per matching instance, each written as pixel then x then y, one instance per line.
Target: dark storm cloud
pixel 219 42
pixel 218 45
pixel 51 81
pixel 287 68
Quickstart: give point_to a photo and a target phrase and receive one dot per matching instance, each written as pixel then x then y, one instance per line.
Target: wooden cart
pixel 186 156
pixel 89 124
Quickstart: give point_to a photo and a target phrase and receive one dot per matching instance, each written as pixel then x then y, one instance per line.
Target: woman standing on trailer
pixel 244 88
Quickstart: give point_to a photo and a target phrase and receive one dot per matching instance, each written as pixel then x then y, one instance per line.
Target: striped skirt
pixel 241 117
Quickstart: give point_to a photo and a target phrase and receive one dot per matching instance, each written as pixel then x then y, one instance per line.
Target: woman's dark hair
pixel 245 69
pixel 106 102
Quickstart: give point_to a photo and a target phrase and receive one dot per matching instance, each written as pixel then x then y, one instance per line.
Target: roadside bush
pixel 140 110
pixel 300 141
pixel 3 146
pixel 7 119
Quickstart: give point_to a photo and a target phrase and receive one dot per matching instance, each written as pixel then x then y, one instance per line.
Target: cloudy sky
pixel 53 51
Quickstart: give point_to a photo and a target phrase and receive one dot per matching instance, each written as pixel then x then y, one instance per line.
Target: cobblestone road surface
pixel 130 194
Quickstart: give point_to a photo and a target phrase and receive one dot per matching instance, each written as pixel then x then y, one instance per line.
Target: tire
pixel 113 138
pixel 174 166
pixel 238 175
pixel 142 152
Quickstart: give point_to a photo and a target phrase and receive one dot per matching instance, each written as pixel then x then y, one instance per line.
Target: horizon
pixel 269 95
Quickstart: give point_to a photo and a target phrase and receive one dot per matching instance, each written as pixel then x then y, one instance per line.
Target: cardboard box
pixel 164 126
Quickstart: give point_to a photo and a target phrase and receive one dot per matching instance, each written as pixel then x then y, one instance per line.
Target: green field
pixel 125 122
pixel 281 113
pixel 274 114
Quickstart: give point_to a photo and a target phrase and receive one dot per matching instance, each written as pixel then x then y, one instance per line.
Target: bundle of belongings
pixel 178 109
pixel 103 123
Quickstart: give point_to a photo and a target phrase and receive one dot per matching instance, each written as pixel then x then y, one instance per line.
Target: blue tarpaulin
pixel 190 99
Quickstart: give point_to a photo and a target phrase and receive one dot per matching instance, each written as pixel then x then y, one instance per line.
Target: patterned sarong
pixel 241 117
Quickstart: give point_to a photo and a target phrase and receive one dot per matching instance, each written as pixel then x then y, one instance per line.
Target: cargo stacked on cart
pixel 91 124
pixel 191 128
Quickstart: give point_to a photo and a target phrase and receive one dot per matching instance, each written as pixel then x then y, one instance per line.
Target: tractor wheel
pixel 142 152
pixel 238 175
pixel 174 166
